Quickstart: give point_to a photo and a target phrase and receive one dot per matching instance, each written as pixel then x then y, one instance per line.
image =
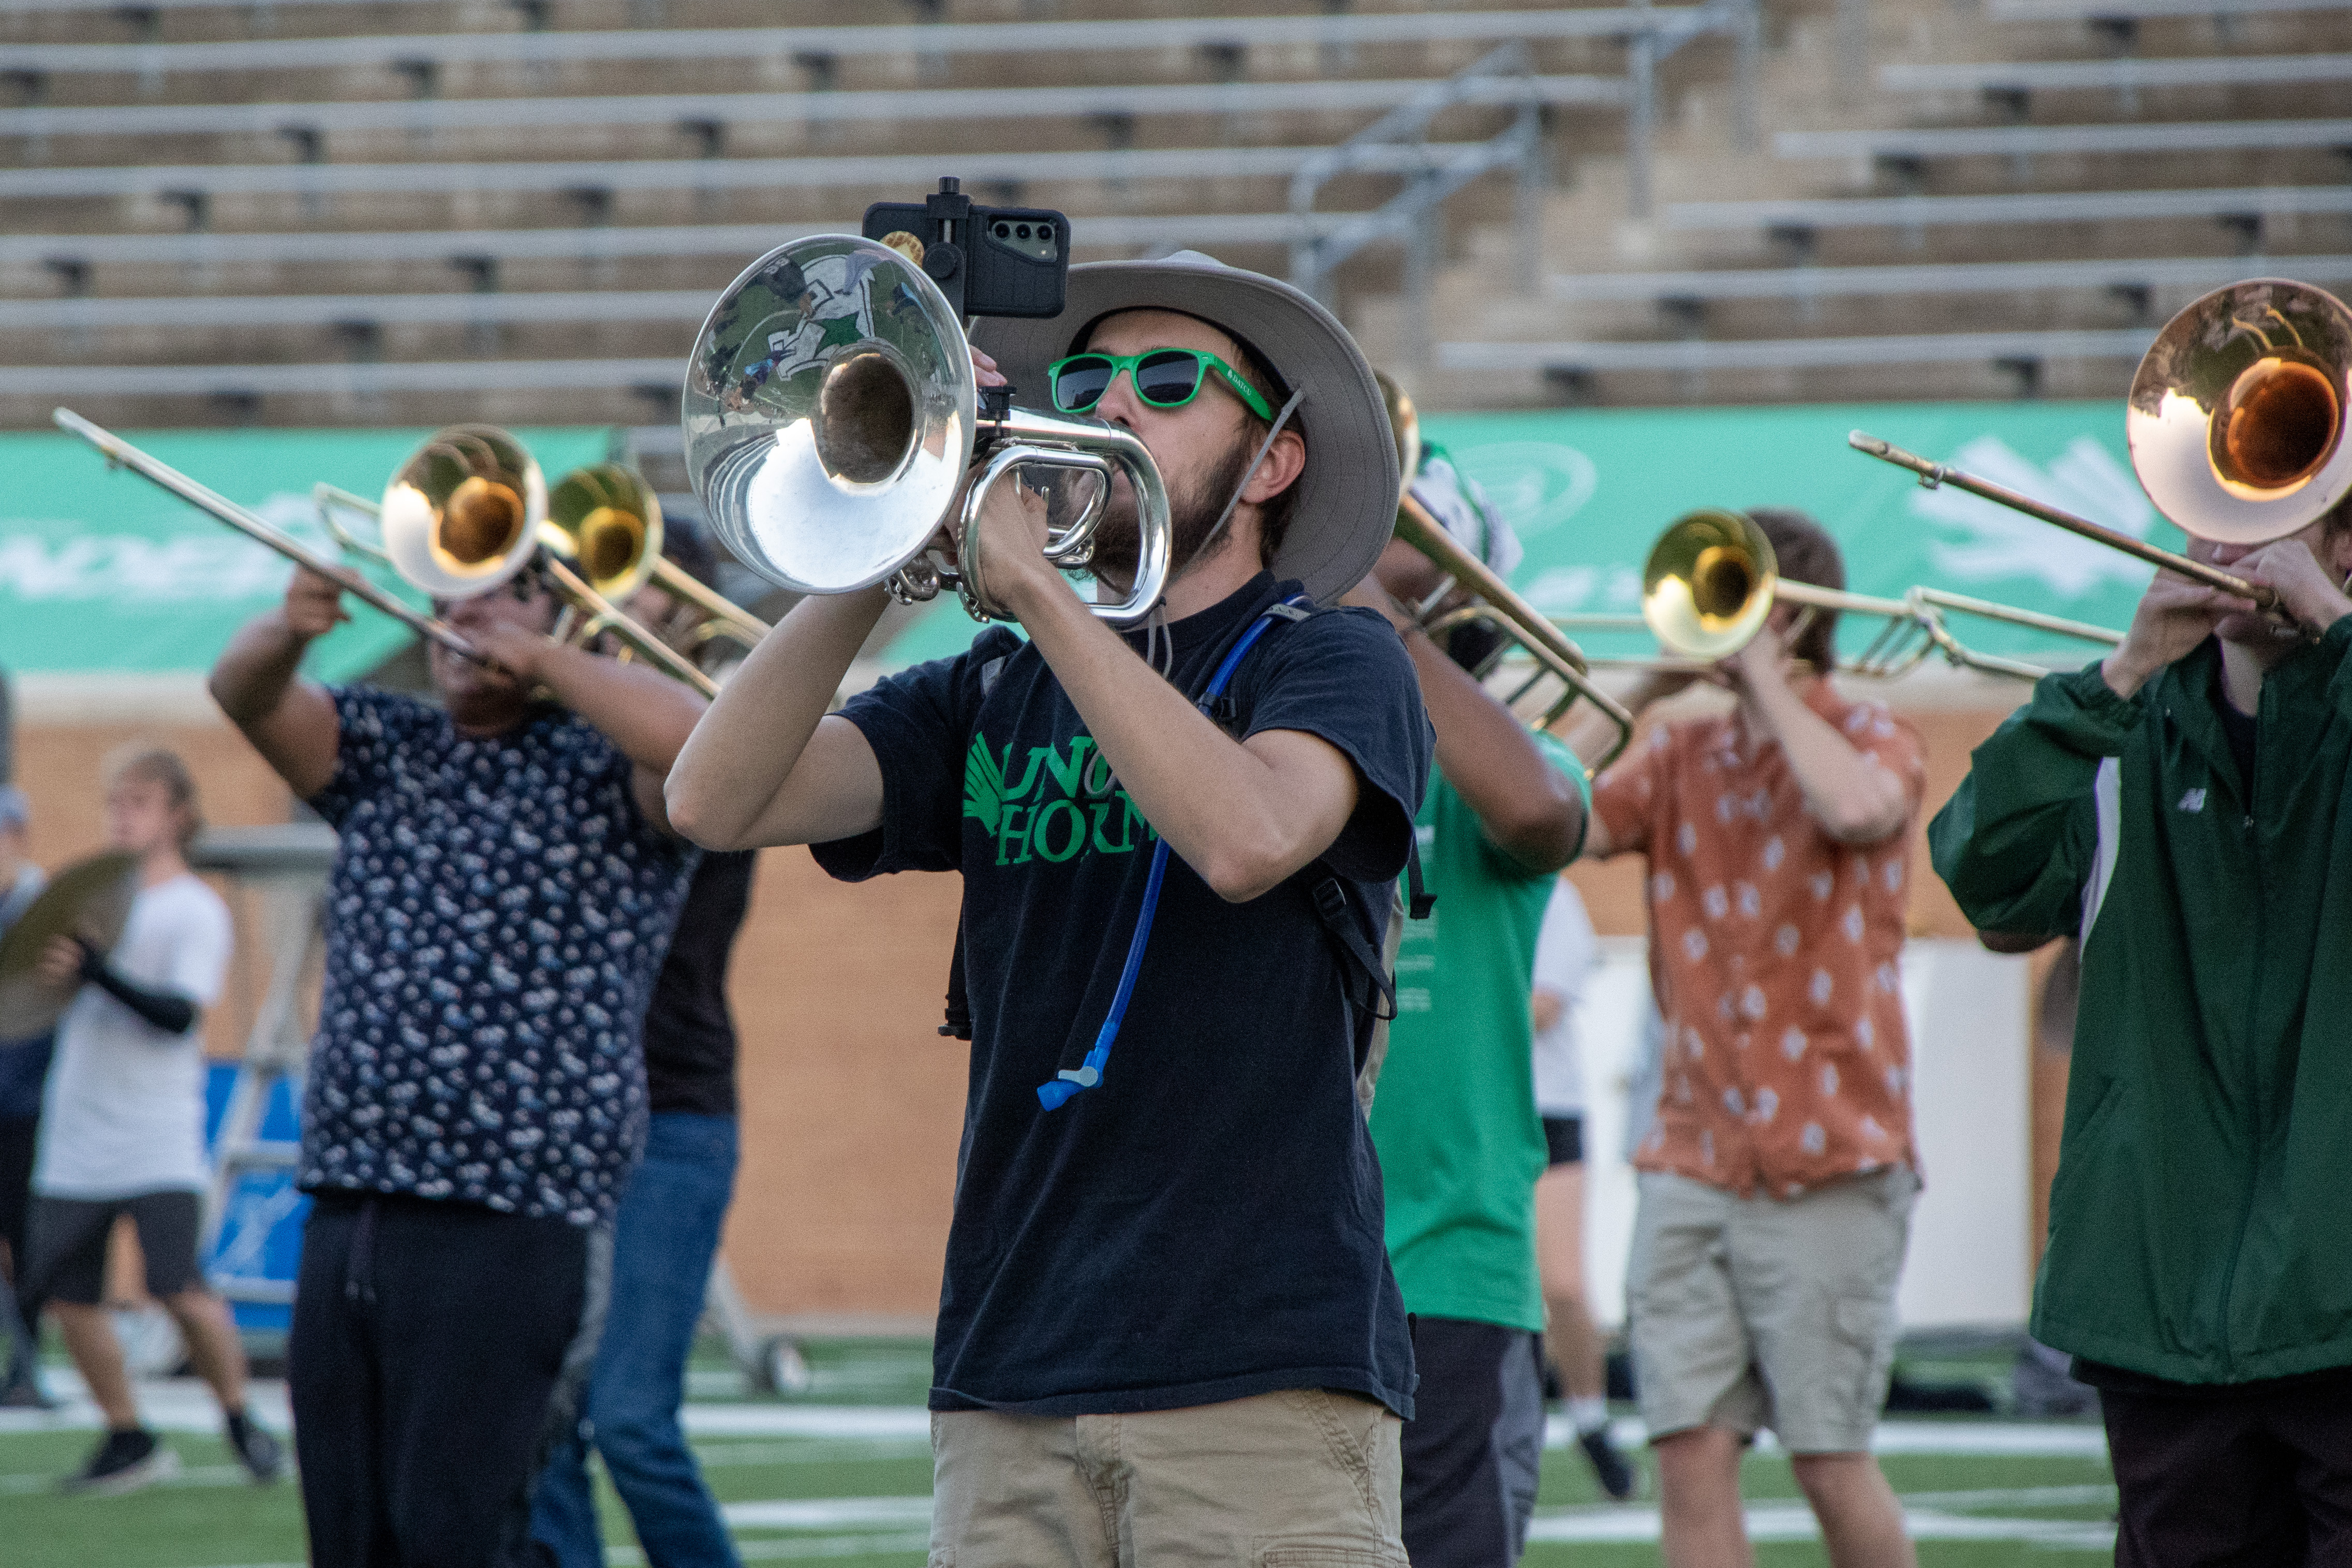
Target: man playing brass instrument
pixel 2181 805
pixel 1776 1182
pixel 1168 1333
pixel 504 893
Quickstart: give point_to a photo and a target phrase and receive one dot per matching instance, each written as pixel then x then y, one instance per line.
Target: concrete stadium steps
pixel 1768 278
pixel 425 238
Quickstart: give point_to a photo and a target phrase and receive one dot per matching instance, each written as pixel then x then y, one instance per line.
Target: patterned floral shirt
pixel 1774 948
pixel 495 919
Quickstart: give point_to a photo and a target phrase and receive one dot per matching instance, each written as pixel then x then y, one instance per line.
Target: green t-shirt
pixel 1454 1116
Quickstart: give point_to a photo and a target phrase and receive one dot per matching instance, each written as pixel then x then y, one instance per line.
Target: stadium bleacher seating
pixel 433 210
pixel 1991 199
pixel 321 211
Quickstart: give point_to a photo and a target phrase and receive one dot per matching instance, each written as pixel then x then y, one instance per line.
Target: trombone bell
pixel 605 520
pixel 1709 584
pixel 2237 413
pixel 462 514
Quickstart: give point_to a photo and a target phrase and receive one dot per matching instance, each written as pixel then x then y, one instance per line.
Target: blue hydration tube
pixel 1087 1074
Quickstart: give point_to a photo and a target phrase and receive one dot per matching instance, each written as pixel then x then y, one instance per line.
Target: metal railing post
pixel 1641 121
pixel 1746 111
pixel 1420 274
pixel 1534 182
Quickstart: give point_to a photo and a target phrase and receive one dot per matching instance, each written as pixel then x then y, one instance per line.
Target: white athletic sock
pixel 1589 1413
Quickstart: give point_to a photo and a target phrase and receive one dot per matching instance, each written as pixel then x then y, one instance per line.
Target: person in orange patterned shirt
pixel 1777 1179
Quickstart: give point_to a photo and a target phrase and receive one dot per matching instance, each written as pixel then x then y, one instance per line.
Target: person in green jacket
pixel 1454 1117
pixel 2182 804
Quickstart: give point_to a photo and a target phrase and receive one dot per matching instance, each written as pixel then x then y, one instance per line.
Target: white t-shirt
pixel 125 1112
pixel 1566 952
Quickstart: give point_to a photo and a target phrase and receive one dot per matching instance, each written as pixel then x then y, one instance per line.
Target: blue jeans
pixel 663 1240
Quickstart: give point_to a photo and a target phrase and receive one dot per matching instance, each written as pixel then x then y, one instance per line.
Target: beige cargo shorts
pixel 1756 1312
pixel 1301 1478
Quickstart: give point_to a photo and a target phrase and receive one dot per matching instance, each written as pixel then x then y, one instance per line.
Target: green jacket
pixel 2201 1225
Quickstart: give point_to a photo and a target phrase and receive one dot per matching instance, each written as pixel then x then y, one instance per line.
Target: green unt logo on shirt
pixel 1064 806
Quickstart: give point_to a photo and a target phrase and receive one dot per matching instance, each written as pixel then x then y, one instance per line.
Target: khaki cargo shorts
pixel 1756 1312
pixel 1303 1479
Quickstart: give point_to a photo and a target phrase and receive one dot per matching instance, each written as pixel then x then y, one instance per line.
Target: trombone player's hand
pixel 1763 658
pixel 2174 616
pixel 314 605
pixel 510 643
pixel 2309 592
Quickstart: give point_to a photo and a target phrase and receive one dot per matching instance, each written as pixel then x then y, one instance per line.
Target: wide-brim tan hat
pixel 1345 509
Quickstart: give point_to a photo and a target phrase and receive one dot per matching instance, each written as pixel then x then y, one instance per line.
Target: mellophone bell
pixel 832 417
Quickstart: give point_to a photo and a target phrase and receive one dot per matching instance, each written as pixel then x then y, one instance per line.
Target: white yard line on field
pixel 1788 1521
pixel 184 1405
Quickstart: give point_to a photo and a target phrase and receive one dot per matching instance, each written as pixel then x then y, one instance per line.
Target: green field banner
pixel 103 573
pixel 1587 491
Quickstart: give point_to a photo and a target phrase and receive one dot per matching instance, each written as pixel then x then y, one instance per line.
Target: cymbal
pixel 89 899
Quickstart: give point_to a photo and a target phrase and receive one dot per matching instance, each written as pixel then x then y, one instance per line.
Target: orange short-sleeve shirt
pixel 1775 949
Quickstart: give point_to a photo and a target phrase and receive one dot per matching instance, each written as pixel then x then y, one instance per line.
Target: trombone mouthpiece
pixel 1864 441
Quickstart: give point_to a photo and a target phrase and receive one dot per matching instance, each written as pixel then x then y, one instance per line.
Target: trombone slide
pixel 1544 641
pixel 603 615
pixel 122 453
pixel 1932 474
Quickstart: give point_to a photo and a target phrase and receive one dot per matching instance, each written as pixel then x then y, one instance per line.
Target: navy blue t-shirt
pixel 497 913
pixel 1205 1224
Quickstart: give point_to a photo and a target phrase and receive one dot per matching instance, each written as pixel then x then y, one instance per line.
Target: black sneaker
pixel 1609 1467
pixel 124 1462
pixel 259 1452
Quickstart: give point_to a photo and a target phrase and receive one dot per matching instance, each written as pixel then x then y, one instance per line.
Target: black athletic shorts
pixel 1564 1136
pixel 65 1250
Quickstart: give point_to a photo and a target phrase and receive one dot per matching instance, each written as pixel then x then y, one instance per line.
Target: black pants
pixel 427 1340
pixel 1473 1444
pixel 2243 1481
pixel 18 1137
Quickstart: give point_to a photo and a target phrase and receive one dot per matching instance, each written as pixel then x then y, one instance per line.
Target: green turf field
pixel 857 1501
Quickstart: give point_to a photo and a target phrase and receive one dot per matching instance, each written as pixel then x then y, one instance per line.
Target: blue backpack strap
pixel 1089 1072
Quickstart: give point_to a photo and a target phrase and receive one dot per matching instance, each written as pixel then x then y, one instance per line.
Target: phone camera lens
pixel 1003 230
pixel 1023 231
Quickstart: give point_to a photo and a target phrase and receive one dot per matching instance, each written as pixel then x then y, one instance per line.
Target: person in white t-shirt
pixel 1566 952
pixel 122 1125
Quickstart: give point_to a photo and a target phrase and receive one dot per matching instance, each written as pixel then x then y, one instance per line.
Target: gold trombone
pixel 470 510
pixel 457 512
pixel 1493 604
pixel 614 518
pixel 120 453
pixel 1711 581
pixel 2236 423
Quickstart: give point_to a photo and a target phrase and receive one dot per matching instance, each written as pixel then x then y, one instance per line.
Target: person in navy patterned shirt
pixel 501 902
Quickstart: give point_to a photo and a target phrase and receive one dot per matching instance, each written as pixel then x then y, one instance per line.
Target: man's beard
pixel 1191 516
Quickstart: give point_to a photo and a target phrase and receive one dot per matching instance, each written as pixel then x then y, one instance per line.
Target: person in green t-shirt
pixel 1454 1117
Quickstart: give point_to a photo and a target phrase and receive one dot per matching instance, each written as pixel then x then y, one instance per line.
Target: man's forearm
pixel 1854 799
pixel 738 762
pixel 1529 810
pixel 646 714
pixel 1218 804
pixel 256 669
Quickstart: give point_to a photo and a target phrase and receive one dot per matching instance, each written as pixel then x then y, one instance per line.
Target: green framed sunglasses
pixel 1164 378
